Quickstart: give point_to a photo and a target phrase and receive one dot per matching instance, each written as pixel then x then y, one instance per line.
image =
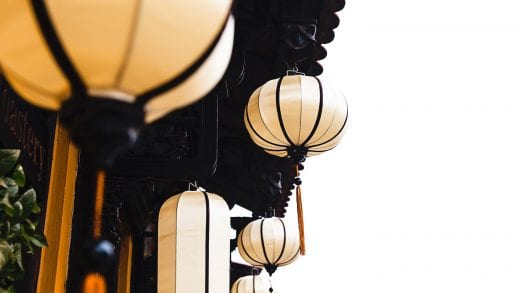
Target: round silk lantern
pixel 296 116
pixel 159 55
pixel 193 246
pixel 251 284
pixel 268 243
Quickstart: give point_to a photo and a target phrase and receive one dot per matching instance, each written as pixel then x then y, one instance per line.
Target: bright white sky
pixel 423 194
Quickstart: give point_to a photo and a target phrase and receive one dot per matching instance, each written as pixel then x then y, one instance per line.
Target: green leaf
pixel 30 225
pixel 18 255
pixel 18 209
pixel 15 228
pixel 12 187
pixel 38 240
pixel 8 159
pixel 28 201
pixel 5 253
pixel 36 209
pixel 8 208
pixel 19 175
pixel 10 289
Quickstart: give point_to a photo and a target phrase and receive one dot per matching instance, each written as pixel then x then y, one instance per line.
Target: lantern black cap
pixel 103 127
pixel 270 268
pixel 297 154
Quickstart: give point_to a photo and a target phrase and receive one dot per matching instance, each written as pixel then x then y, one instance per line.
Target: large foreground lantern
pixel 193 246
pixel 296 116
pixel 159 55
pixel 110 67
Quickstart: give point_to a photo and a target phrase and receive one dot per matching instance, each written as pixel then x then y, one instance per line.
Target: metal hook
pixel 193 184
pixel 294 71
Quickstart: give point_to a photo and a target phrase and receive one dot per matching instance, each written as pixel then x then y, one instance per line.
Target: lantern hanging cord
pixel 95 282
pixel 299 209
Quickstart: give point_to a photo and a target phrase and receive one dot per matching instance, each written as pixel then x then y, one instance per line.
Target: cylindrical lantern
pixel 160 55
pixel 251 284
pixel 296 116
pixel 193 246
pixel 268 243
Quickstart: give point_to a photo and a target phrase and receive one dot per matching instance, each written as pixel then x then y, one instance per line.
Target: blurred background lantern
pixel 268 243
pixel 251 284
pixel 296 116
pixel 110 67
pixel 193 246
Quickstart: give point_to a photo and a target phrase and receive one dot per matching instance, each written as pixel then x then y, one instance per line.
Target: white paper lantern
pixel 193 246
pixel 251 284
pixel 296 115
pixel 161 55
pixel 268 243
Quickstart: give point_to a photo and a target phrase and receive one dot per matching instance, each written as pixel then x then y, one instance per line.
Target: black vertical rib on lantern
pixel 238 284
pixel 48 31
pixel 318 117
pixel 337 133
pixel 175 81
pixel 262 240
pixel 206 277
pixel 279 112
pixel 245 250
pixel 284 240
pixel 291 259
pixel 258 135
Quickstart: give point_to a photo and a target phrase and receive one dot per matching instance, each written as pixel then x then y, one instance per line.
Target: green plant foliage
pixel 18 235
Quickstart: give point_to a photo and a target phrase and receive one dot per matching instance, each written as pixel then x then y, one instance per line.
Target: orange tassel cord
pixel 299 209
pixel 94 283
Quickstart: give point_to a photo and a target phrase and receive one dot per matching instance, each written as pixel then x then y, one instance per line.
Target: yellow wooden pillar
pixel 125 265
pixel 58 218
pixel 58 222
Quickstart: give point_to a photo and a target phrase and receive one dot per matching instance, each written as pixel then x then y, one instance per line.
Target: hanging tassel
pixel 299 208
pixel 94 283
